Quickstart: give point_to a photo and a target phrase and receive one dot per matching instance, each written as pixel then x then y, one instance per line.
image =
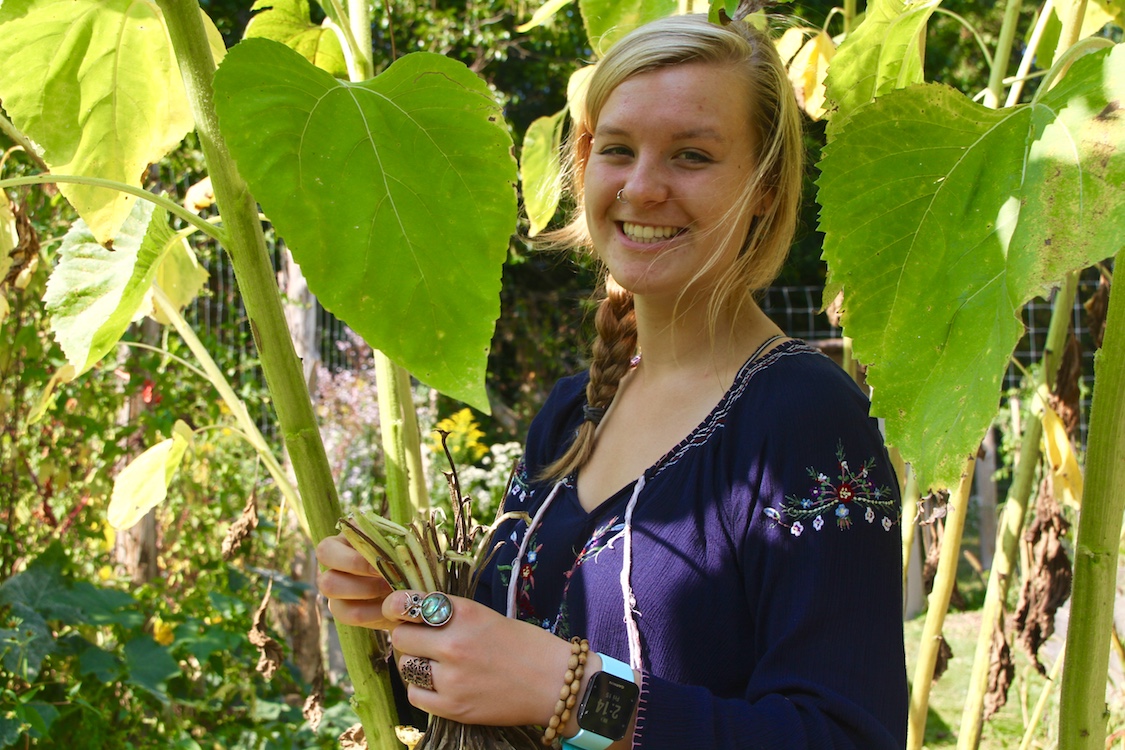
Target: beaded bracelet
pixel 568 696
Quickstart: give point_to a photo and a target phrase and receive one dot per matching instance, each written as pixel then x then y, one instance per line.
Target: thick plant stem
pixel 1012 520
pixel 994 95
pixel 1082 714
pixel 392 429
pixel 282 369
pixel 937 607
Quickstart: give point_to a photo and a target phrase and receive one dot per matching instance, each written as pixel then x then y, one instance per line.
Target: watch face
pixel 608 706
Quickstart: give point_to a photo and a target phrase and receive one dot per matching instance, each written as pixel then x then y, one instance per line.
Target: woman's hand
pixel 485 668
pixel 354 588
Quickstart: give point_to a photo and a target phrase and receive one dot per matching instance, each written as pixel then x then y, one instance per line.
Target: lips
pixel 647 233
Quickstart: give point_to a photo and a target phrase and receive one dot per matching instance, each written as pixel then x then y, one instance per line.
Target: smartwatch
pixel 607 707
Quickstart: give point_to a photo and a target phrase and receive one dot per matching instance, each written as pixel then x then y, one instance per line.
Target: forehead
pixel 681 99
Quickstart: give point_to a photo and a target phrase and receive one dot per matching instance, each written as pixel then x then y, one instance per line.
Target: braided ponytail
pixel 614 347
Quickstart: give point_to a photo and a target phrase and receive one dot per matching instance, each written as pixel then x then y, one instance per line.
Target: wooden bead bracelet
pixel 568 695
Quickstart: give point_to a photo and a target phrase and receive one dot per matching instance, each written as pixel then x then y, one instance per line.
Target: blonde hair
pixel 771 193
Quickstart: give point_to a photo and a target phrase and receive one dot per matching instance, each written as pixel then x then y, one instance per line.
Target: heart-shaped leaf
pixel 95 84
pixel 94 293
pixel 395 195
pixel 942 218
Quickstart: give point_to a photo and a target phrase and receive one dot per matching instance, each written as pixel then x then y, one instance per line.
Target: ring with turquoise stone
pixel 436 609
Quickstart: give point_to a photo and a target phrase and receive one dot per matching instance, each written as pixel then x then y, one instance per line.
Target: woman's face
pixel 678 142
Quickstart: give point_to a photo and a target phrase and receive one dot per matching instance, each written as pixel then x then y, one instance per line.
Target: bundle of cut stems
pixel 424 557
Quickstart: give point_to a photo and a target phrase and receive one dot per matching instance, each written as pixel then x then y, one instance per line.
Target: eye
pixel 615 150
pixel 695 157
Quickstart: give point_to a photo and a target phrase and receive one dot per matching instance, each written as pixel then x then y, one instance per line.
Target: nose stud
pixel 621 196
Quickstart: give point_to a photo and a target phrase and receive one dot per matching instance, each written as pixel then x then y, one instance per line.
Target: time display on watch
pixel 607 708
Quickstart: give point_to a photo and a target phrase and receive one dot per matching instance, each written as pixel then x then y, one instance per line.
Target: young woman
pixel 712 507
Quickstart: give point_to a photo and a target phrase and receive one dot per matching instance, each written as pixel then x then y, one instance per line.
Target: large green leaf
pixel 541 170
pixel 94 293
pixel 287 21
pixel 942 218
pixel 95 84
pixel 395 195
pixel 607 21
pixel 150 666
pixel 880 55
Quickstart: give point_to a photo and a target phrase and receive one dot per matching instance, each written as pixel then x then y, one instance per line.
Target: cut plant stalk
pixel 413 558
pixel 1082 713
pixel 942 591
pixel 1012 519
pixel 284 376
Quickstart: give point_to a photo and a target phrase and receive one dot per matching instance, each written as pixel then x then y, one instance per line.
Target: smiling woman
pixel 704 556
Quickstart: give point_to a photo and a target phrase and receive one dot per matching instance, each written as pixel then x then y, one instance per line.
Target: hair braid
pixel 614 347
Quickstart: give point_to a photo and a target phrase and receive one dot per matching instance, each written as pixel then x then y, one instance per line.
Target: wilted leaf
pixel 270 655
pixel 199 196
pixel 945 653
pixel 942 218
pixel 143 484
pixel 606 21
pixel 541 170
pixel 543 13
pixel 94 293
pixel 1001 671
pixel 880 54
pixel 313 708
pixel 96 85
pixel 1096 308
pixel 1066 475
pixel 808 70
pixel 790 42
pixel 246 522
pixel 395 195
pixel 287 21
pixel 1047 584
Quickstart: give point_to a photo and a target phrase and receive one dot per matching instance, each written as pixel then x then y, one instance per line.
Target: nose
pixel 647 183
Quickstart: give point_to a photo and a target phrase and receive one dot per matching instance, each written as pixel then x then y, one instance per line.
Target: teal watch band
pixel 624 698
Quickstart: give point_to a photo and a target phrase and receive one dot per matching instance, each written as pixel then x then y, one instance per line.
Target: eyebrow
pixel 680 135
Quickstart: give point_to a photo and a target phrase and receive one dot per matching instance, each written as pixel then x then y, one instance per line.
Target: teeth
pixel 645 233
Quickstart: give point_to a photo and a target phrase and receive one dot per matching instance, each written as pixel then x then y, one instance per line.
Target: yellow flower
pixel 464 438
pixel 105 572
pixel 162 632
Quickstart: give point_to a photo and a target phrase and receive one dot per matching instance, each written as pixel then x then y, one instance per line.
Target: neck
pixel 674 339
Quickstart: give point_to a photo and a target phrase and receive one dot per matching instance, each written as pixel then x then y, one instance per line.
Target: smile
pixel 646 234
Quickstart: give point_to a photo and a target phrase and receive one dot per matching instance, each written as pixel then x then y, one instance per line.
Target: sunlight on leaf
pixel 541 170
pixel 287 21
pixel 1065 473
pixel 143 484
pixel 94 293
pixel 607 21
pixel 880 55
pixel 544 13
pixel 181 277
pixel 942 218
pixel 808 70
pixel 395 195
pixel 95 84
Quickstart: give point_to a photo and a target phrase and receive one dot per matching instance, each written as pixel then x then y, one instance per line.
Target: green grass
pixel 947 697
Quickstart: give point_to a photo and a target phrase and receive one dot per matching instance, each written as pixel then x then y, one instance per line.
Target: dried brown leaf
pixel 1048 581
pixel 1066 397
pixel 313 709
pixel 1001 672
pixel 945 653
pixel 246 522
pixel 1096 308
pixel 353 738
pixel 269 650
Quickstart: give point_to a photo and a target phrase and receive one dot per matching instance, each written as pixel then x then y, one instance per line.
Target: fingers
pixel 366 613
pixel 434 609
pixel 334 552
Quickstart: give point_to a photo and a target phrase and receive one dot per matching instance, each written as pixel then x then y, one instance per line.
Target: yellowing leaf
pixel 808 71
pixel 199 196
pixel 96 85
pixel 180 277
pixel 576 91
pixel 287 21
pixel 143 484
pixel 64 374
pixel 544 13
pixel 541 170
pixel 790 42
pixel 1066 474
pixel 8 236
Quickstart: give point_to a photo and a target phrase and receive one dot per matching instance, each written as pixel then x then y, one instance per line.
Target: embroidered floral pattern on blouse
pixel 851 493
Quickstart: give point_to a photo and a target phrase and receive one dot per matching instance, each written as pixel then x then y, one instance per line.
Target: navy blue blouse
pixel 766 566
